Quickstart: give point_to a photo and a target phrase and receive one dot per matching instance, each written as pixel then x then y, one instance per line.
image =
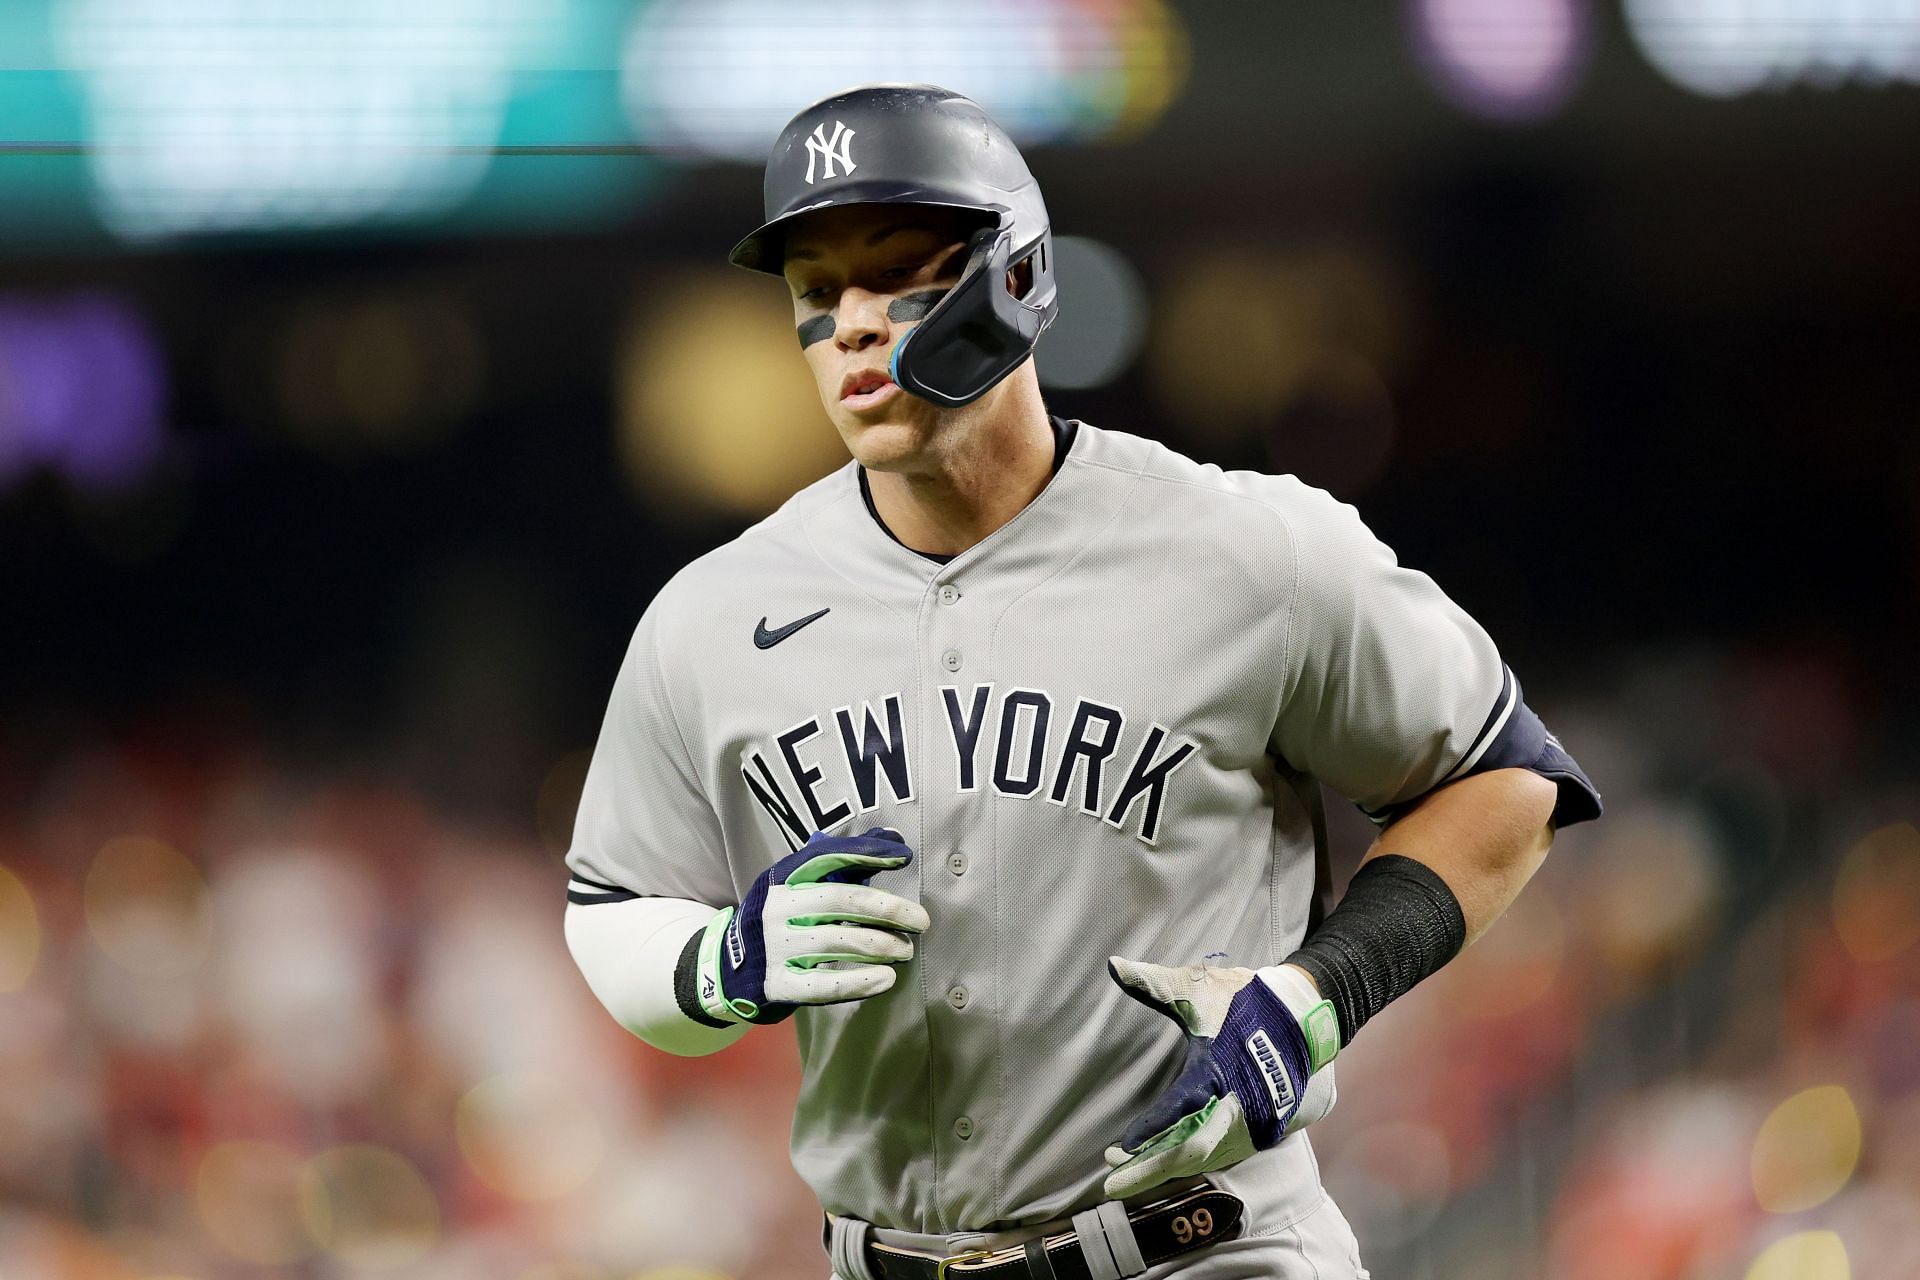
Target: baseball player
pixel 993 760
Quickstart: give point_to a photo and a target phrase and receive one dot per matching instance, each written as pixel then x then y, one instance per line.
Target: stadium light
pixel 720 77
pixel 1723 48
pixel 230 115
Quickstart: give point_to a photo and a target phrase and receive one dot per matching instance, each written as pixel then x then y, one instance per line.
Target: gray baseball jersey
pixel 1092 728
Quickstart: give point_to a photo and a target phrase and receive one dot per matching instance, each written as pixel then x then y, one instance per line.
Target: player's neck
pixel 985 478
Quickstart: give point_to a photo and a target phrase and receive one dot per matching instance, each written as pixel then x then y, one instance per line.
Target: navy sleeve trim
pixel 1523 742
pixel 1513 737
pixel 1579 799
pixel 1497 725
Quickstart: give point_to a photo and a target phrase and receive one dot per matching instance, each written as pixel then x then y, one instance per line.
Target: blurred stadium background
pixel 365 367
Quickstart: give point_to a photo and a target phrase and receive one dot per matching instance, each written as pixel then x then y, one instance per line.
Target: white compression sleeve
pixel 627 951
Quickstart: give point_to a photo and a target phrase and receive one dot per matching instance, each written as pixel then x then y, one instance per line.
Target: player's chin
pixel 886 441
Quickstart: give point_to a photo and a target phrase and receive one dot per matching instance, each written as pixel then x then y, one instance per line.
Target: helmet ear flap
pixel 981 331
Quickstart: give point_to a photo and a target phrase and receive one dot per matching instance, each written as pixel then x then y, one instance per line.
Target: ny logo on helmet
pixel 837 149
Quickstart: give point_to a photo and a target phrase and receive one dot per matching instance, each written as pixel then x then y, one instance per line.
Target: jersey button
pixel 957 863
pixel 963 1128
pixel 950 659
pixel 958 998
pixel 949 594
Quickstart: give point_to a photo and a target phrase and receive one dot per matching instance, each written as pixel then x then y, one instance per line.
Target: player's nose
pixel 861 319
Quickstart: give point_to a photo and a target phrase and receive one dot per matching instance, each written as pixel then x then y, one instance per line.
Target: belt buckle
pixel 958 1260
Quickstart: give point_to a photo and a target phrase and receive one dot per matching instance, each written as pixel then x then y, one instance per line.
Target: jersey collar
pixel 1044 534
pixel 1064 430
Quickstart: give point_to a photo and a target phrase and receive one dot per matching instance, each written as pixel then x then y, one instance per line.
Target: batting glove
pixel 810 931
pixel 1256 1046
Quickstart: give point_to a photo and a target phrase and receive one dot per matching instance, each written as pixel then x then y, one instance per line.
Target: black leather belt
pixel 1163 1229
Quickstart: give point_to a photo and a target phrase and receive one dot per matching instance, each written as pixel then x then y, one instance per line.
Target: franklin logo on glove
pixel 1278 1084
pixel 1260 1048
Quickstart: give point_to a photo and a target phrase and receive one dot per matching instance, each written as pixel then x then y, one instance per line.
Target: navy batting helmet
pixel 919 144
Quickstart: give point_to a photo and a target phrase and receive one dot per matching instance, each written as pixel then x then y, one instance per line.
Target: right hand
pixel 1258 1066
pixel 810 931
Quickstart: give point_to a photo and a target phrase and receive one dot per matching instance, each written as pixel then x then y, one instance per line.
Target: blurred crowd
pixel 258 1020
pixel 266 1017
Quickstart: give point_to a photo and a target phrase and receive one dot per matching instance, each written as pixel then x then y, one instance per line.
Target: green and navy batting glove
pixel 811 930
pixel 1259 1049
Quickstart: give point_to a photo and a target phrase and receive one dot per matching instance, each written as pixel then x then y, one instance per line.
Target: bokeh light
pixel 1650 902
pixel 1228 345
pixel 19 932
pixel 224 115
pixel 248 1197
pixel 1296 344
pixel 146 907
pixel 1504 59
pixel 1806 1150
pixel 530 1136
pixel 379 373
pixel 1097 336
pixel 1805 1255
pixel 722 76
pixel 717 408
pixel 83 390
pixel 1721 48
pixel 368 1206
pixel 1876 897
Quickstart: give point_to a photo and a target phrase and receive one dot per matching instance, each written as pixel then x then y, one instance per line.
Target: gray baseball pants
pixel 1293 1229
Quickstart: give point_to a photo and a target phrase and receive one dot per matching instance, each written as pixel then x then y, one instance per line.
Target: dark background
pixel 1635 385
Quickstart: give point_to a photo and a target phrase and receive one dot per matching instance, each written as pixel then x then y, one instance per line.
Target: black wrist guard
pixel 1397 923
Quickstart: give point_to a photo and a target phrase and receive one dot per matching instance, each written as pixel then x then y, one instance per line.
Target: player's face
pixel 861 278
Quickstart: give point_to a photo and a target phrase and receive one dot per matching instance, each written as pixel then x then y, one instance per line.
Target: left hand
pixel 1257 1068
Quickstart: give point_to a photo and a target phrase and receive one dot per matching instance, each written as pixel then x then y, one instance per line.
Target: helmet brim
pixel 764 249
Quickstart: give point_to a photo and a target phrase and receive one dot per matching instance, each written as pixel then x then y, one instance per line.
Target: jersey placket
pixel 956 959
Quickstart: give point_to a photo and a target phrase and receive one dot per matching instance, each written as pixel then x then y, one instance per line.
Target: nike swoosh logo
pixel 765 639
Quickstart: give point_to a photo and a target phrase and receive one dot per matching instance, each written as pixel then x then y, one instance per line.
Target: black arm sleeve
pixel 1397 923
